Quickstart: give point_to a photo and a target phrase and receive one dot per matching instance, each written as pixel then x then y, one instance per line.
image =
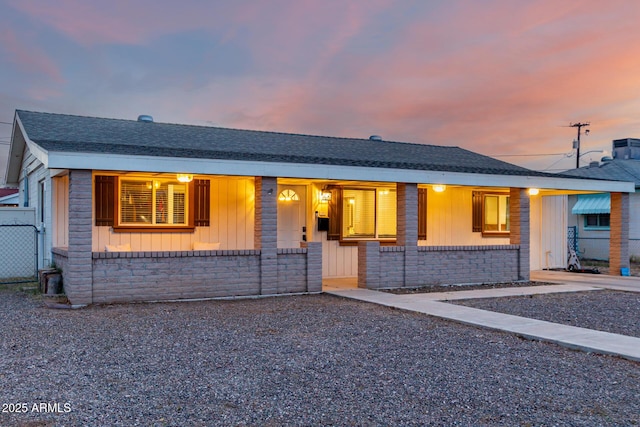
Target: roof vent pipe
pixel 594 164
pixel 375 138
pixel 145 118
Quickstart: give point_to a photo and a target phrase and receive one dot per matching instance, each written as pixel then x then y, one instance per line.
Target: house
pixel 137 210
pixel 9 197
pixel 590 213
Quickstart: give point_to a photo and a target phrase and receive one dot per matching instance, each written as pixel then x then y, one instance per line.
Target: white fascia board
pixel 320 171
pixel 38 152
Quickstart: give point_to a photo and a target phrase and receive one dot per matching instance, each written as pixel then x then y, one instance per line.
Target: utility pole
pixel 576 143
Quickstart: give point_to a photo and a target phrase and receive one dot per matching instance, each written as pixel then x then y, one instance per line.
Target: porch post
pixel 619 233
pixel 266 232
pixel 407 230
pixel 520 228
pixel 78 271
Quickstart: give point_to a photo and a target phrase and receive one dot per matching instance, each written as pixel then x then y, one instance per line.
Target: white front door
pixel 291 215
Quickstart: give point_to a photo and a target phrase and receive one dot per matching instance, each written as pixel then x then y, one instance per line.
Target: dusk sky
pixel 495 77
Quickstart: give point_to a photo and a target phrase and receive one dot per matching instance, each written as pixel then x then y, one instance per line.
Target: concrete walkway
pixel 568 336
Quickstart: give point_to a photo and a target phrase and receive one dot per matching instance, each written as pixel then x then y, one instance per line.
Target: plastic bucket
pixel 624 272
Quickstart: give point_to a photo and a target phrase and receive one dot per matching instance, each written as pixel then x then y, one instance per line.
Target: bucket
pixel 624 271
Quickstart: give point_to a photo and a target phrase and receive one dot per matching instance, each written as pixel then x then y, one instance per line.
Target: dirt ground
pixel 603 266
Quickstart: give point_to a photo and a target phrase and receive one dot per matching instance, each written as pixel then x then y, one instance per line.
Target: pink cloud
pixel 28 56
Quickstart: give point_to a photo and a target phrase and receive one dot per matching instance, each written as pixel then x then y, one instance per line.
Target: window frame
pixel 599 226
pixel 339 210
pixel 154 194
pixel 479 213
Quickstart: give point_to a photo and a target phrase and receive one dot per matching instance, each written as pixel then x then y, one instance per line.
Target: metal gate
pixel 18 253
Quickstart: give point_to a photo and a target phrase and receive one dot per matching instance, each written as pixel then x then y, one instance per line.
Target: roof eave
pixel 110 162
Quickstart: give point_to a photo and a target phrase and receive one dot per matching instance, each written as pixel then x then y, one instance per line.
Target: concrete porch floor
pixel 434 304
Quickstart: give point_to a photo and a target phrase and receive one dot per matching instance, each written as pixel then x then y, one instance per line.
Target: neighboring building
pixel 590 214
pixel 138 210
pixel 9 197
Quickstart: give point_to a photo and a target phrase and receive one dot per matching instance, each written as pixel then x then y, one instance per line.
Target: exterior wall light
pixel 184 177
pixel 534 191
pixel 439 188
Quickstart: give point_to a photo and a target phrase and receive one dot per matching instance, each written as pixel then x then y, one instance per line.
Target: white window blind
pixel 152 202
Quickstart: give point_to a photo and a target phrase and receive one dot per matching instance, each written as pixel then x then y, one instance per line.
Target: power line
pixel 6 123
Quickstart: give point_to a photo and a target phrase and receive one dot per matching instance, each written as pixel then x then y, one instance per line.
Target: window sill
pixel 383 242
pixel 152 229
pixel 597 228
pixel 495 234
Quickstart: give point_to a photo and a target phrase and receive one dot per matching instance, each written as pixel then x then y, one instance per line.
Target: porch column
pixel 266 232
pixel 78 271
pixel 619 233
pixel 407 230
pixel 520 228
pixel 369 264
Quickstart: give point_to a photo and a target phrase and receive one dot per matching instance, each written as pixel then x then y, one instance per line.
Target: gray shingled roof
pixel 78 134
pixel 613 170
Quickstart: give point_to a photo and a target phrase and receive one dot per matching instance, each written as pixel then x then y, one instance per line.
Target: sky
pixel 504 78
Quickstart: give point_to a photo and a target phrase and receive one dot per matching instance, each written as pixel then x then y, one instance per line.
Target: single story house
pixel 137 210
pixel 590 214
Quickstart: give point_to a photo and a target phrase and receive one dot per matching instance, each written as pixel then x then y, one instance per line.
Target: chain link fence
pixel 18 253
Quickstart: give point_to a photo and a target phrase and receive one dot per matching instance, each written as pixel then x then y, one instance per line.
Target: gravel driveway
pixel 308 360
pixel 609 311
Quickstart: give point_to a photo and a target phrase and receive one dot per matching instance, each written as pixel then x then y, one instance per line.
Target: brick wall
pixel 467 264
pixel 384 267
pixel 152 276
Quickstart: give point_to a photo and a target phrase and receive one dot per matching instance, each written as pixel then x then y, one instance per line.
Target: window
pixel 148 204
pixel 368 214
pixel 597 221
pixel 152 202
pixel 491 213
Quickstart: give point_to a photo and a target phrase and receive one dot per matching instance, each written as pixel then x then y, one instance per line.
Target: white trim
pixel 314 171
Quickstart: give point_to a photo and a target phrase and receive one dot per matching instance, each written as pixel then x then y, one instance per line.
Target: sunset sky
pixel 495 77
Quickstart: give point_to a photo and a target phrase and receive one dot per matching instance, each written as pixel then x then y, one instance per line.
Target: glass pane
pixel 358 214
pixel 387 207
pixel 177 203
pixel 491 213
pixel 604 220
pixel 591 221
pixel 504 212
pixel 136 202
pixel 162 208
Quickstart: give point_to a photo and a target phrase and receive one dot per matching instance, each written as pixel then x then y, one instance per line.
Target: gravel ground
pixel 452 288
pixel 609 311
pixel 307 360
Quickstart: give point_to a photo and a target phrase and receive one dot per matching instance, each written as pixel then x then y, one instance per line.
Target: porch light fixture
pixel 184 177
pixel 534 191
pixel 439 188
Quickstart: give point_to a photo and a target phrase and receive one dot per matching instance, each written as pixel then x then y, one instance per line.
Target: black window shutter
pixel 335 213
pixel 202 202
pixel 422 214
pixel 476 202
pixel 105 199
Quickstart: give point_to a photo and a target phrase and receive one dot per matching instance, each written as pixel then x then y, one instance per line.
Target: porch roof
pixel 72 142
